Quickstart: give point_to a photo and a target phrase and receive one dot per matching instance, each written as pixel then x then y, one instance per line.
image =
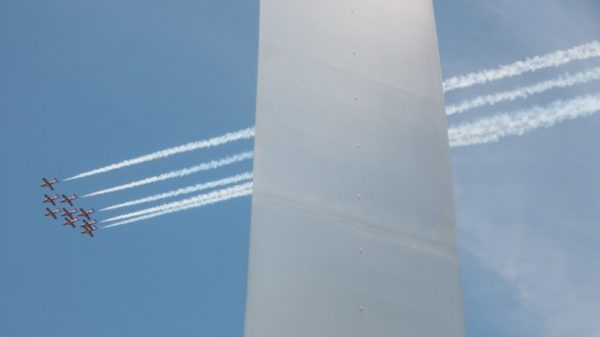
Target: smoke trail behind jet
pixel 524 92
pixel 177 174
pixel 553 59
pixel 494 128
pixel 183 202
pixel 221 198
pixel 185 190
pixel 216 141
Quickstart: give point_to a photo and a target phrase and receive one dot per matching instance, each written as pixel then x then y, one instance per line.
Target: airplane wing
pixel 50 213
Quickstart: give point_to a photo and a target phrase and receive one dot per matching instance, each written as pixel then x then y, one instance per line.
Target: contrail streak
pixel 524 92
pixel 553 59
pixel 179 173
pixel 216 141
pixel 185 190
pixel 237 194
pixel 491 129
pixel 483 131
pixel 183 202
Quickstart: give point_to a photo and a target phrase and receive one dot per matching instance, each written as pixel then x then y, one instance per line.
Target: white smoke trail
pixel 233 195
pixel 524 92
pixel 479 132
pixel 179 173
pixel 553 59
pixel 183 202
pixel 185 190
pixel 220 140
pixel 492 129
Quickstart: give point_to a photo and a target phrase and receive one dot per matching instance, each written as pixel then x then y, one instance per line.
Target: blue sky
pixel 527 207
pixel 88 83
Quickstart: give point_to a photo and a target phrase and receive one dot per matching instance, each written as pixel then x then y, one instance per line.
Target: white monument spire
pixel 353 230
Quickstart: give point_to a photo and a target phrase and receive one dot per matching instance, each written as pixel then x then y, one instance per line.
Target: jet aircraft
pixel 70 222
pixel 67 213
pixel 83 212
pixel 50 199
pixel 67 199
pixel 51 213
pixel 48 183
pixel 88 227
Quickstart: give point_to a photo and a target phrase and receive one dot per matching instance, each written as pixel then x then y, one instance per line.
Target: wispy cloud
pixel 562 295
pixel 232 194
pixel 554 59
pixel 216 141
pixel 179 173
pixel 563 81
pixel 494 128
pixel 185 190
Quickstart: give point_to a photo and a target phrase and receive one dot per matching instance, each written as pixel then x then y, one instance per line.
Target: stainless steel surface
pixel 353 228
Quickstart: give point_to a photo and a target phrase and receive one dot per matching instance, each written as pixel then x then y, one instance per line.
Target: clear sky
pixel 88 83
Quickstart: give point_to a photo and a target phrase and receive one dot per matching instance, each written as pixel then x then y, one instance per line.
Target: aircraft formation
pixel 71 217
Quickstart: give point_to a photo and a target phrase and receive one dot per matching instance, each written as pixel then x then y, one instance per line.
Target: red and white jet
pixel 67 199
pixel 48 183
pixel 83 212
pixel 50 199
pixel 70 222
pixel 51 213
pixel 88 227
pixel 67 213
